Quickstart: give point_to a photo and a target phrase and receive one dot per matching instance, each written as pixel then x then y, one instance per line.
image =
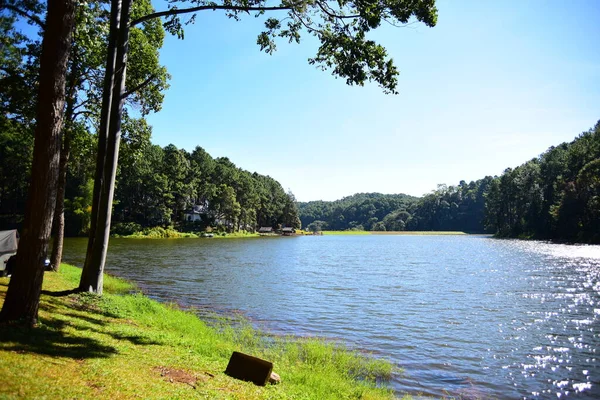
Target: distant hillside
pixel 553 196
pixel 449 208
pixel 360 211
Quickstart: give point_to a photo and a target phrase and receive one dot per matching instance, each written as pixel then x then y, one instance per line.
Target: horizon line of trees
pixel 555 196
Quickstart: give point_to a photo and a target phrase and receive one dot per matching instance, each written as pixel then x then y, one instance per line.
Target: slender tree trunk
pixel 23 295
pixel 59 212
pixel 109 76
pixel 65 154
pixel 93 280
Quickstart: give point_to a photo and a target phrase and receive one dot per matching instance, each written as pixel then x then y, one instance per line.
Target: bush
pixel 125 228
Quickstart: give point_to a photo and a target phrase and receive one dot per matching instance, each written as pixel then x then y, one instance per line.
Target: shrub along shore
pixel 125 345
pixel 171 233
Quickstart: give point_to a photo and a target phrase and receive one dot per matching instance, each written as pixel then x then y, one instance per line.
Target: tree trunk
pixel 59 212
pixel 65 153
pixel 109 76
pixel 23 295
pixel 92 281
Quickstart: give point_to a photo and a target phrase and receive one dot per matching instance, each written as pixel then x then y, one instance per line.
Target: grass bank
pixel 346 233
pixel 125 345
pixel 170 233
pixel 235 235
pixel 418 233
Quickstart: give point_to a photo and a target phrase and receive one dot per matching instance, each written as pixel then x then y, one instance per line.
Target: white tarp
pixel 9 241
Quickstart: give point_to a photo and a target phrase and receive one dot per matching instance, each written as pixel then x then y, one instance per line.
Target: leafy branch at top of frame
pixel 341 27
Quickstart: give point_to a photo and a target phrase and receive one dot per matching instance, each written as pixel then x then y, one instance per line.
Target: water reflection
pixel 464 316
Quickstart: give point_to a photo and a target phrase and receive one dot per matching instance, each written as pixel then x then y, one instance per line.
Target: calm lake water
pixel 464 316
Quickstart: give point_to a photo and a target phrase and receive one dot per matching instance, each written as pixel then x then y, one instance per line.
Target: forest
pixel 155 187
pixel 555 196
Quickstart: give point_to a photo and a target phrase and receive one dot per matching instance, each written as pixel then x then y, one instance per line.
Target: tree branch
pixel 202 8
pixel 23 13
pixel 82 112
pixel 83 103
pixel 407 25
pixel 307 26
pixel 138 87
pixel 333 15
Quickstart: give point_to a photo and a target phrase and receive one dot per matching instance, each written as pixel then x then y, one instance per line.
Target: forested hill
pixel 553 196
pixel 362 211
pixel 155 187
pixel 449 208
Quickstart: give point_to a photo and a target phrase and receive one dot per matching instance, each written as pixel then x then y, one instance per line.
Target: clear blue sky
pixel 493 85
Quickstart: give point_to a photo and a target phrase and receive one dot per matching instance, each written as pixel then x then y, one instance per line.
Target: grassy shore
pixel 418 233
pixel 346 233
pixel 169 233
pixel 125 345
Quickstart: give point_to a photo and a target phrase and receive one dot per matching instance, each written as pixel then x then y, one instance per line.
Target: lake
pixel 467 316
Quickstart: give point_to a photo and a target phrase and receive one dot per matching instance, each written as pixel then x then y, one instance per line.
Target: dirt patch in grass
pixel 178 375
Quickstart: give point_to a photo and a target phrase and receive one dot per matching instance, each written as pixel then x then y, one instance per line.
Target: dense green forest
pixel 449 208
pixel 553 196
pixel 155 187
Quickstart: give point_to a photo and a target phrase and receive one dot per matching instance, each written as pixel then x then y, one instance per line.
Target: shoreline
pixel 125 344
pixel 392 233
pixel 155 233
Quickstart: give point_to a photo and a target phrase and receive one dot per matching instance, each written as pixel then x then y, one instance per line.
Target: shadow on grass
pixel 87 318
pixel 60 293
pixel 134 339
pixel 137 339
pixel 50 339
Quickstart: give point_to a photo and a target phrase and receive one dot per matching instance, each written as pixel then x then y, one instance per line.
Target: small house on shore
pixel 288 231
pixel 265 230
pixel 195 213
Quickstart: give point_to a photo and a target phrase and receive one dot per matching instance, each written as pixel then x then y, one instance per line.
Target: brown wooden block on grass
pixel 249 368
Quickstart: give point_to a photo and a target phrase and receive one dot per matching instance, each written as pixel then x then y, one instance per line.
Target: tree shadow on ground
pixel 51 339
pixel 134 339
pixel 87 318
pixel 60 293
pixel 137 339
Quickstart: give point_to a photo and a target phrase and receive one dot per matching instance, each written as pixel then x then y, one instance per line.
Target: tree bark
pixel 92 280
pixel 65 153
pixel 59 212
pixel 23 295
pixel 109 76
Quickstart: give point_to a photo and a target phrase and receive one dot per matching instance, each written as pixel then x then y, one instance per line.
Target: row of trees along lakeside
pixel 554 196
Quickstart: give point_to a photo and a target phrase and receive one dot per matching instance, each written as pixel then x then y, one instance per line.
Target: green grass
pixel 159 233
pixel 170 233
pixel 346 233
pixel 235 235
pixel 125 345
pixel 419 233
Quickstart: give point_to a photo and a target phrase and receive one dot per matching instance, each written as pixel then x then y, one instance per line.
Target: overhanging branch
pixel 25 14
pixel 332 14
pixel 203 8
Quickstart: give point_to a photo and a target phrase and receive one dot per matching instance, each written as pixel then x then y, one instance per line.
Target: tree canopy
pixel 341 27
